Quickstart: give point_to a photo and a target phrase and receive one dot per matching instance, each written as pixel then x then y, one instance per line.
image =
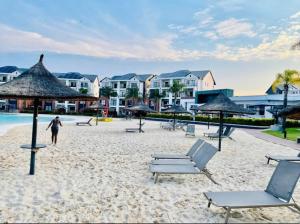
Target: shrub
pixel 229 120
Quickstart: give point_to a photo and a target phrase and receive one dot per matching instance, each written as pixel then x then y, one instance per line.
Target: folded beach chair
pixel 135 129
pixel 190 161
pixel 201 159
pixel 190 130
pixel 178 156
pixel 211 133
pixel 278 158
pixel 226 134
pixel 84 123
pixel 278 193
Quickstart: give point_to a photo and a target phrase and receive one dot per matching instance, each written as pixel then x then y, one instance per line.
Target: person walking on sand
pixel 54 129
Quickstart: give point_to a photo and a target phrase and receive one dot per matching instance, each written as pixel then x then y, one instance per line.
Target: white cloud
pixel 233 27
pixel 295 16
pixel 210 35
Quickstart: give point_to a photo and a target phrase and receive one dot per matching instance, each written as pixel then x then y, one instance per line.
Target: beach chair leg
pixel 209 203
pixel 156 178
pixel 209 176
pixel 227 214
pixel 268 162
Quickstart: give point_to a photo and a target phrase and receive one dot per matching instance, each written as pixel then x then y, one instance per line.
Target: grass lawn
pixel 292 133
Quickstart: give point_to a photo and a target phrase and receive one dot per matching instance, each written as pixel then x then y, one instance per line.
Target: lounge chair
pixel 190 130
pixel 180 161
pixel 188 155
pixel 226 134
pixel 135 129
pixel 180 125
pixel 84 123
pixel 278 158
pixel 201 159
pixel 211 133
pixel 278 193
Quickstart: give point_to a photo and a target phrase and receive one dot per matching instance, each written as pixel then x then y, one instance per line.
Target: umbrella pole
pixel 140 123
pixel 34 132
pixel 174 122
pixel 97 115
pixel 220 130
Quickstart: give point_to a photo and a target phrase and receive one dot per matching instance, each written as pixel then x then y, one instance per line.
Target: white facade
pixel 77 82
pixel 262 103
pixel 121 84
pixel 193 81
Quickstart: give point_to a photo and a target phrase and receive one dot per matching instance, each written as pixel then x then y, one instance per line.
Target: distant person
pixel 54 128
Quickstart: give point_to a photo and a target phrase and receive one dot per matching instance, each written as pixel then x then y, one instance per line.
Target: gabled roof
pixel 184 73
pixel 123 77
pixel 8 69
pixel 75 75
pixel 144 78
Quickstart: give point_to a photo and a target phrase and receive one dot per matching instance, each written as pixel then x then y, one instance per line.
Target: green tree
pixel 286 78
pixel 176 89
pixel 83 90
pixel 156 96
pixel 132 94
pixel 107 92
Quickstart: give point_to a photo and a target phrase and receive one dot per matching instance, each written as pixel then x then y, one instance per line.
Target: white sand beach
pixel 101 174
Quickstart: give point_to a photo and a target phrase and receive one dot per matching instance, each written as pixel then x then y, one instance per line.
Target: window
pixel 122 102
pixel 84 85
pixel 123 85
pixel 71 102
pixel 115 85
pixel 155 84
pixel 166 84
pixel 61 101
pixel 133 85
pixel 4 79
pixel 113 102
pixel 72 84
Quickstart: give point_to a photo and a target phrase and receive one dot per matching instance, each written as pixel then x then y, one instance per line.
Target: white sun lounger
pixel 278 193
pixel 178 156
pixel 201 160
pixel 278 158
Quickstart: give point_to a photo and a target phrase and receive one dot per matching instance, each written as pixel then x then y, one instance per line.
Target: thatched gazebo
pixel 37 84
pixel 292 112
pixel 175 109
pixel 140 110
pixel 223 105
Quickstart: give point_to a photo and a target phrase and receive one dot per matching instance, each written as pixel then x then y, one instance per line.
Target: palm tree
pixel 156 96
pixel 296 46
pixel 132 94
pixel 286 78
pixel 107 92
pixel 176 88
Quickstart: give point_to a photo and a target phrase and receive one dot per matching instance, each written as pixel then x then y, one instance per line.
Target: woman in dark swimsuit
pixel 54 129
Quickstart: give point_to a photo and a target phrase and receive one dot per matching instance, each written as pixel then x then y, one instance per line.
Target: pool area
pixel 10 120
pixel 7 119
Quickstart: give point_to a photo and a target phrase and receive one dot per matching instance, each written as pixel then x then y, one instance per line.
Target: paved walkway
pixel 259 134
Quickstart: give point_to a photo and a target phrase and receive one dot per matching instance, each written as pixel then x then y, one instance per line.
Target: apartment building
pixel 193 81
pixel 121 83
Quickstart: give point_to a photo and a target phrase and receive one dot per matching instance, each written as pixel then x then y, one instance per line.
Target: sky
pixel 244 43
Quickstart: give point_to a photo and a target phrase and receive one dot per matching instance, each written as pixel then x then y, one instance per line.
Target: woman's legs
pixel 55 138
pixel 52 137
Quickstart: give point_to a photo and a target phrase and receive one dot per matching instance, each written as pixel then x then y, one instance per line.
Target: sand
pixel 101 174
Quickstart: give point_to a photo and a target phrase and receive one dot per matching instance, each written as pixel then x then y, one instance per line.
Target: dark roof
pixel 8 69
pixel 184 73
pixel 176 109
pixel 224 104
pixel 123 77
pixel 144 78
pixel 75 75
pixel 38 82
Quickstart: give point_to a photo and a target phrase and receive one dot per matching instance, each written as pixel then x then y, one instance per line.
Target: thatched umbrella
pixel 292 112
pixel 38 83
pixel 175 109
pixel 223 105
pixel 140 110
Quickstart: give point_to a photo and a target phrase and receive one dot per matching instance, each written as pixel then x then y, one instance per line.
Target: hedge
pixel 229 120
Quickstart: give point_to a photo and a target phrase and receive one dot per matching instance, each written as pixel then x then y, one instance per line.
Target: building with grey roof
pixel 193 81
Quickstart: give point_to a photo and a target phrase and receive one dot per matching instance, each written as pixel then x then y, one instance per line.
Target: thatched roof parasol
pixel 292 112
pixel 175 109
pixel 141 109
pixel 38 83
pixel 223 105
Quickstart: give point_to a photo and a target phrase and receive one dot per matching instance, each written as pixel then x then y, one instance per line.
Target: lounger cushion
pixel 170 156
pixel 287 158
pixel 243 199
pixel 174 169
pixel 172 162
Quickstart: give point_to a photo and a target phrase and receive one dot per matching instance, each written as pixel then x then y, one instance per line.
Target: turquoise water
pixel 23 119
